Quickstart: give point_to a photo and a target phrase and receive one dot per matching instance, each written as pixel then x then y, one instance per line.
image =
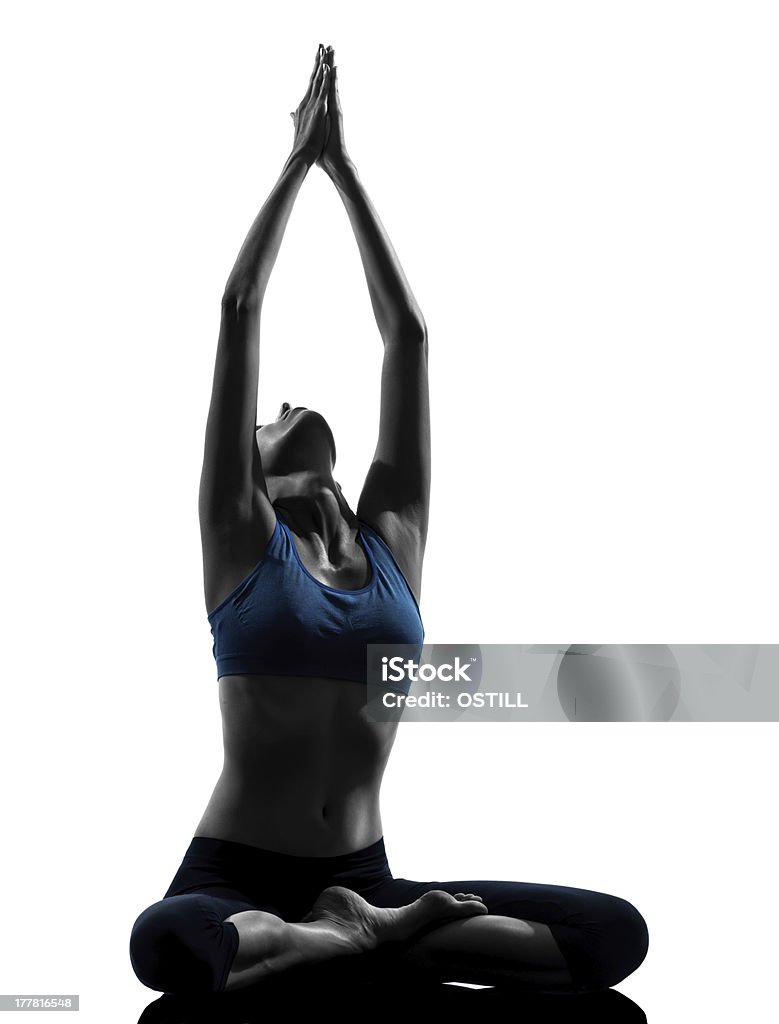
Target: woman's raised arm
pixel 396 494
pixel 229 461
pixel 232 486
pixel 394 306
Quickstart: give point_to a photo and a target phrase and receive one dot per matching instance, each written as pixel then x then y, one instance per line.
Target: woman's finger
pixel 330 57
pixel 325 72
pixel 317 61
pixel 312 80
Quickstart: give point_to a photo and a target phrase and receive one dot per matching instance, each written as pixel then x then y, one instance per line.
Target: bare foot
pixel 359 926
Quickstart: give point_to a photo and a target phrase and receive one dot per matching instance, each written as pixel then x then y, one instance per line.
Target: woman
pixel 287 868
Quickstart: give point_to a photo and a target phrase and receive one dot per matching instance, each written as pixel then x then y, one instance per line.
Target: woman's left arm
pixel 394 306
pixel 396 494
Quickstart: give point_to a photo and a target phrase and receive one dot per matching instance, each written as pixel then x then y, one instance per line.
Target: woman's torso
pixel 303 757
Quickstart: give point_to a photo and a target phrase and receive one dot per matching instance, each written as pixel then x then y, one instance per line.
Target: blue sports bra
pixel 282 621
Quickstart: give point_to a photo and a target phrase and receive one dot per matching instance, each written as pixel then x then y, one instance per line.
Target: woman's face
pixel 299 438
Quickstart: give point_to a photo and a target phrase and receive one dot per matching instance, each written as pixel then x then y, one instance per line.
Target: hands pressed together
pixel 318 119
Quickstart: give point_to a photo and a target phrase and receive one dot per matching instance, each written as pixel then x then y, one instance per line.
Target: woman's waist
pixel 290 817
pixel 284 883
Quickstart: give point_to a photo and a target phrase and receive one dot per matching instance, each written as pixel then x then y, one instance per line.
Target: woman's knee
pixel 625 941
pixel 182 945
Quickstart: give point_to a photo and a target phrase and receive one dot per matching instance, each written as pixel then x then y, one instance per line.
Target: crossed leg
pixel 539 938
pixel 490 950
pixel 340 926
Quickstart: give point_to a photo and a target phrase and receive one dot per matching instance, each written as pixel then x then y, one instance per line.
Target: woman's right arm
pixel 231 470
pixel 236 516
pixel 231 459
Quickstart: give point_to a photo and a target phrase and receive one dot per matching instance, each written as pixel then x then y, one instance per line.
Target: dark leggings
pixel 182 944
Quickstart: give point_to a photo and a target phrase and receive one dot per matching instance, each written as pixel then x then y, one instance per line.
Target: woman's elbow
pixel 240 299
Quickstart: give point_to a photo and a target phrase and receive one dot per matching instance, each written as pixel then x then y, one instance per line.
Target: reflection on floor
pixel 371 1002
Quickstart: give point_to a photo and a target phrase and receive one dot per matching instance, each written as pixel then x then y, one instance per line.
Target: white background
pixel 583 197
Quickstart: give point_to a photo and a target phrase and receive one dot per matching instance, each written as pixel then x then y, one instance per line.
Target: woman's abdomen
pixel 303 764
